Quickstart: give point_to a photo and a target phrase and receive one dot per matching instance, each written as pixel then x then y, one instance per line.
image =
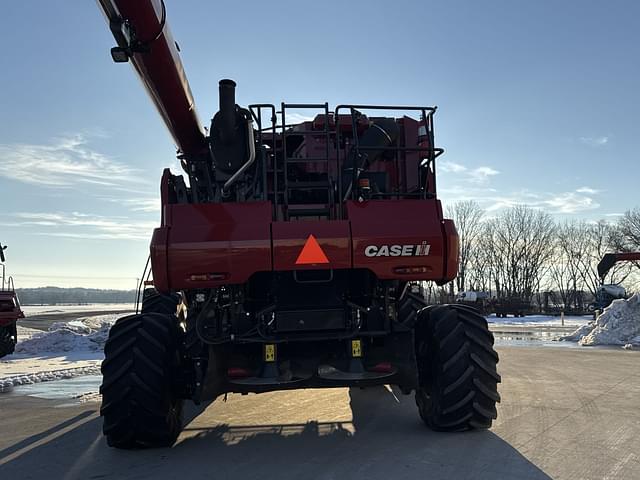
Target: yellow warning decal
pixel 269 352
pixel 356 348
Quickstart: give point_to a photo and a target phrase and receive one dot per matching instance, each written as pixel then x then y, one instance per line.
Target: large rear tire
pixel 457 369
pixel 140 407
pixel 156 302
pixel 8 339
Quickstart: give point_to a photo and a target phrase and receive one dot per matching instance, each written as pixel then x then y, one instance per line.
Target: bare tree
pixel 565 269
pixel 600 238
pixel 467 216
pixel 628 229
pixel 480 270
pixel 520 245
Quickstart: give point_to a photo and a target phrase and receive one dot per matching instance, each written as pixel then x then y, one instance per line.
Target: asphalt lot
pixel 565 413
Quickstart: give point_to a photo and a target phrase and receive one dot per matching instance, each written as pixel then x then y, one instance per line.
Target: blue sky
pixel 538 104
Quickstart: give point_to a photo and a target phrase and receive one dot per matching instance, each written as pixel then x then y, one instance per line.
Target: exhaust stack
pixel 227 91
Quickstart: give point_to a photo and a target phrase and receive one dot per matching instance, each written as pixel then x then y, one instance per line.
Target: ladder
pixel 321 185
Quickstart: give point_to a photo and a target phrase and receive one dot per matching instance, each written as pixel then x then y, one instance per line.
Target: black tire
pixel 457 369
pixel 140 408
pixel 156 302
pixel 8 339
pixel 409 306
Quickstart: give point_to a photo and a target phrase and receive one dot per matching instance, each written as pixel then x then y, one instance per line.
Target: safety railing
pixel 346 138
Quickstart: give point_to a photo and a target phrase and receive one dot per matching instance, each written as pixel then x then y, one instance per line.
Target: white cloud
pixel 447 166
pixel 482 174
pixel 142 204
pixel 595 141
pixel 473 175
pixel 554 202
pixel 66 162
pixel 570 202
pixel 588 190
pixel 81 225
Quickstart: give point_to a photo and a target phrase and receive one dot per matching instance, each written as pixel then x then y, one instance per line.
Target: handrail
pixel 431 152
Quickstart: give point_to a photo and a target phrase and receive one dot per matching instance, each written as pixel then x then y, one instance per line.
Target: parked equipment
pixel 478 300
pixel 286 259
pixel 607 293
pixel 10 311
pixel 610 259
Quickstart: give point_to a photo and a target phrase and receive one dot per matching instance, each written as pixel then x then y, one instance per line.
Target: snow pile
pixel 67 350
pixel 7 383
pixel 87 334
pixel 618 324
pixel 581 332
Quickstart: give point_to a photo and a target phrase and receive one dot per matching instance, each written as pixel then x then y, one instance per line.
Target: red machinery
pixel 10 311
pixel 610 259
pixel 286 259
pixel 607 293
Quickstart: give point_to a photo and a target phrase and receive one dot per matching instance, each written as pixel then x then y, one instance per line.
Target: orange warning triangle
pixel 311 253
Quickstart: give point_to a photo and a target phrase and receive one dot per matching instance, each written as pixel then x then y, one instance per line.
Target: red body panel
pixel 209 245
pixel 219 243
pixel 398 222
pixel 452 245
pixel 11 308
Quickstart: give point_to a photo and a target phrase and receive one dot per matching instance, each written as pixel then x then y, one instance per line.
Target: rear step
pixel 327 372
pixel 305 211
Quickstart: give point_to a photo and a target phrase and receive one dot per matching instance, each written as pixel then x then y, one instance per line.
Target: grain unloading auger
pixel 286 260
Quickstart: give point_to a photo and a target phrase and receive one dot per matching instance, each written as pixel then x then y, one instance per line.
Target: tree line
pixel 62 296
pixel 522 252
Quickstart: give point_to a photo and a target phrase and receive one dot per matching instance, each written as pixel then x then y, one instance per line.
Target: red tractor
pixel 10 311
pixel 285 258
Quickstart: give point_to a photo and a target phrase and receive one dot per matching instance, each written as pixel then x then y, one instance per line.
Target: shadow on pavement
pixel 385 439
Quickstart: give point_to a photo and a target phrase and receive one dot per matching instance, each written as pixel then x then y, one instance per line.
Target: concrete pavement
pixel 565 413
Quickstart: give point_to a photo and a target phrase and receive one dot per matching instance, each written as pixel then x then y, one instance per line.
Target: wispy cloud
pixel 570 202
pixel 589 190
pixel 473 175
pixel 554 202
pixel 465 183
pixel 65 162
pixel 447 166
pixel 136 204
pixel 562 203
pixel 81 225
pixel 595 141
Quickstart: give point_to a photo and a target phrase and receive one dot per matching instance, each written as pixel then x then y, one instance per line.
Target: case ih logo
pixel 397 250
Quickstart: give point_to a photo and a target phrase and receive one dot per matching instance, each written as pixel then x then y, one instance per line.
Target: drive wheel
pixel 140 407
pixel 8 339
pixel 458 380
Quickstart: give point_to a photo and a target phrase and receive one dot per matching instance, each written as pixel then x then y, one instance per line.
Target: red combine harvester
pixel 287 259
pixel 10 311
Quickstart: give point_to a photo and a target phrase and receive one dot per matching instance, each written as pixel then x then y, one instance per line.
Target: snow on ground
pixel 542 320
pixel 618 324
pixel 67 350
pixel 89 307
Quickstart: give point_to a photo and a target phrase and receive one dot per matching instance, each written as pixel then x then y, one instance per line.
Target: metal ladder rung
pixel 310 132
pixel 307 160
pixel 314 185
